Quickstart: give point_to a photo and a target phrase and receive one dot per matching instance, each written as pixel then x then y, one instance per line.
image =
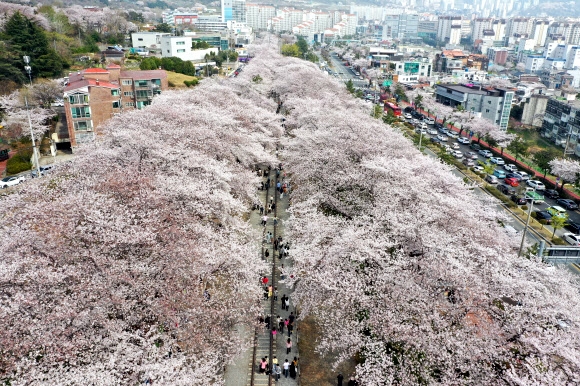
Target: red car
pixel 511 182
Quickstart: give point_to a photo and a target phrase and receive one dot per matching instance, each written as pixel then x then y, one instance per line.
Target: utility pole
pixel 34 151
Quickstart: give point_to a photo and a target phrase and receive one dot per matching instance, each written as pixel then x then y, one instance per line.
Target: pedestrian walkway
pixel 240 372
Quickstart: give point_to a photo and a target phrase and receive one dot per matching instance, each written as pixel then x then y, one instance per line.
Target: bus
pixel 394 108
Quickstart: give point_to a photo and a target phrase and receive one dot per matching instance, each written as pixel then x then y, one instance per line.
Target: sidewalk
pixel 240 371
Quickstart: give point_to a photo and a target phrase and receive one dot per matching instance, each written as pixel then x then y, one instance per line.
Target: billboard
pixel 411 68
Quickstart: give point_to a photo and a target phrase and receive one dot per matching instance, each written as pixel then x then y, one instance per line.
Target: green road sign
pixel 387 83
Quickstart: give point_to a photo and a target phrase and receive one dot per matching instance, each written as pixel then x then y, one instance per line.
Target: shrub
pixel 190 83
pixel 534 215
pixel 559 241
pixel 524 207
pixel 170 84
pixel 20 162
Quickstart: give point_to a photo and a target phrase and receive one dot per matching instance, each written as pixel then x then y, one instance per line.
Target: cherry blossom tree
pixel 106 260
pixel 8 9
pixel 17 116
pixel 566 169
pixel 397 259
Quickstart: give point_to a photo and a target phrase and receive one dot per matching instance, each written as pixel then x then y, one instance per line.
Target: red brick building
pixel 92 96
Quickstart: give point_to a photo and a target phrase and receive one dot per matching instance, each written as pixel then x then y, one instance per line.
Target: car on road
pixel 455 146
pixel 468 162
pixel 505 189
pixel 557 211
pixel 519 200
pixel 408 116
pixel 420 130
pixel 435 140
pixel 573 226
pixel 457 154
pixel 408 109
pixel 486 153
pixel 6 182
pixel 510 168
pixel 442 138
pixel 538 185
pixel 565 203
pixel 544 215
pixel 551 193
pixel 497 161
pixel 571 238
pixel 463 140
pixel 523 176
pixel 475 146
pixel 514 175
pixel 471 155
pixel 478 169
pixel 511 181
pixel 491 179
pixel 432 131
pixel 452 134
pixel 429 121
pixel 499 173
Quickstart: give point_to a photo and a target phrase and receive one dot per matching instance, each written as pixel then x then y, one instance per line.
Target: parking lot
pixel 462 147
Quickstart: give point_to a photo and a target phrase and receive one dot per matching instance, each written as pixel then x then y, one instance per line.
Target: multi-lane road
pixel 344 73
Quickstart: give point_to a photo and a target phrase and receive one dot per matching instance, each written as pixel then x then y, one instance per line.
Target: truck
pixel 531 194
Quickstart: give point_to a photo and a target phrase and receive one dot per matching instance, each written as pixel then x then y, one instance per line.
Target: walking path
pixel 240 372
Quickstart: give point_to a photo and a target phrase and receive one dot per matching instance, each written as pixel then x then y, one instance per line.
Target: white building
pixel 540 32
pixel 534 63
pixel 444 29
pixel 180 47
pixel 258 15
pixel 409 72
pixel 147 39
pixel 480 25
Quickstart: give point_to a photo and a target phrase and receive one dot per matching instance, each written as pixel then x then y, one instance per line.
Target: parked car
pixel 43 170
pixel 486 153
pixel 468 162
pixel 510 168
pixel 544 215
pixel 497 161
pixel 432 131
pixel 565 203
pixel 557 211
pixel 442 138
pixel 429 121
pixel 420 130
pixel 408 109
pixel 511 181
pixel 455 146
pixel 538 185
pixel 573 226
pixel 523 175
pixel 471 155
pixel 491 179
pixel 463 140
pixel 408 116
pixel 475 146
pixel 11 181
pixel 514 175
pixel 478 169
pixel 505 189
pixel 499 173
pixel 435 140
pixel 519 200
pixel 438 125
pixel 571 238
pixel 452 134
pixel 457 154
pixel 551 193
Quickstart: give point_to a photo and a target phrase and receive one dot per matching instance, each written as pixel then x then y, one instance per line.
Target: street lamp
pixel 527 223
pixel 34 151
pixel 420 138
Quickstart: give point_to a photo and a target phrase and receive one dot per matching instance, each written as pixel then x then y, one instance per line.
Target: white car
pixel 478 169
pixel 455 146
pixel 432 131
pixel 452 134
pixel 11 181
pixel 429 121
pixel 511 168
pixel 523 175
pixel 538 185
pixel 463 140
pixel 408 116
pixel 471 155
pixel 442 138
pixel 486 153
pixel 457 154
pixel 497 161
pixel 571 238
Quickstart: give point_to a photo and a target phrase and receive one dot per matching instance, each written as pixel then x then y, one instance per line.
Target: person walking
pixel 263 365
pixel 294 368
pixel 267 321
pixel 265 220
pixel 291 318
pixel 281 325
pixel 267 253
pixel 269 291
pixel 277 373
pixel 274 332
pixel 286 323
pixel 290 329
pixel 287 303
pixel 288 346
pixel 286 368
pixel 283 301
pixel 275 294
pixel 351 382
pixel 339 379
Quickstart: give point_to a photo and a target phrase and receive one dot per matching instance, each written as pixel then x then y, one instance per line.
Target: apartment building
pixel 562 123
pixel 93 95
pixel 493 104
pixel 258 15
pixel 147 39
pixel 449 29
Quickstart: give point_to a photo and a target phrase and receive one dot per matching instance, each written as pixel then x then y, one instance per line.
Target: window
pixel 115 92
pixel 140 39
pixel 180 51
pixel 141 83
pixel 129 104
pixel 127 82
pixel 78 99
pixel 116 104
pixel 488 102
pixel 128 93
pixel 180 43
pixel 80 112
pixel 143 93
pixel 487 110
pixel 83 125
